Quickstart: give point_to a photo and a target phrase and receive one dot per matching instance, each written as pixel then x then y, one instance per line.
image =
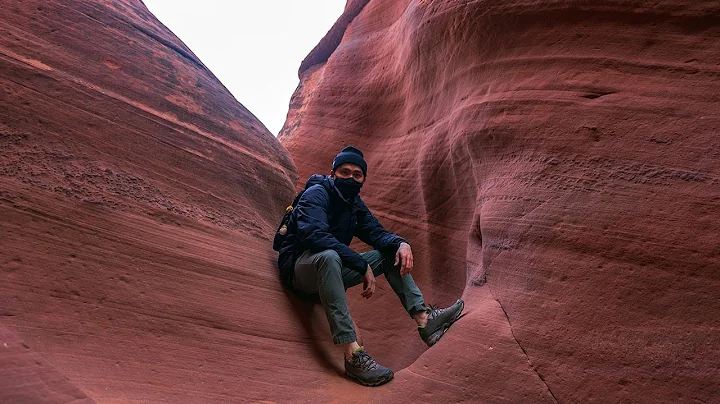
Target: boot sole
pixel 435 337
pixel 370 384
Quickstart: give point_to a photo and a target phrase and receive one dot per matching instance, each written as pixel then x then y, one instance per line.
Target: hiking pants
pixel 324 274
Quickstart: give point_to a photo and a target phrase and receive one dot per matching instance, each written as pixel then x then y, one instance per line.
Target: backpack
pixel 281 232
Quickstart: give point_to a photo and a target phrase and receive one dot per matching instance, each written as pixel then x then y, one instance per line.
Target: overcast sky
pixel 253 46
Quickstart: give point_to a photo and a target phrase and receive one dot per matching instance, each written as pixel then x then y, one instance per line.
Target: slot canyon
pixel 556 164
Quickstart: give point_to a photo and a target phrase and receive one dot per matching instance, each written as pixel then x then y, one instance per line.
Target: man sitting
pixel 315 257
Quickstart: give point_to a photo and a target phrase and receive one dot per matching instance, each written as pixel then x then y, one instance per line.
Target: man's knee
pixel 387 261
pixel 328 259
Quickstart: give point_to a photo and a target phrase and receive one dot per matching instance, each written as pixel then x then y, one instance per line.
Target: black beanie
pixel 350 155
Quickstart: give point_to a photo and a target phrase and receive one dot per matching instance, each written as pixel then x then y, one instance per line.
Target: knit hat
pixel 350 155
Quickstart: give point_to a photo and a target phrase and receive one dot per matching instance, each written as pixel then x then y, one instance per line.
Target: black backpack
pixel 281 232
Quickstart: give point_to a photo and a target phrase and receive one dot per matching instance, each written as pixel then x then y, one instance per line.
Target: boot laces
pixel 364 361
pixel 434 311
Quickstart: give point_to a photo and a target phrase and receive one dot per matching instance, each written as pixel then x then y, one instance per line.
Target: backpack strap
pixel 282 229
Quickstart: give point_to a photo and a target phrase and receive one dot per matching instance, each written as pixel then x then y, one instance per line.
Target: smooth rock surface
pixel 563 152
pixel 557 164
pixel 25 377
pixel 137 203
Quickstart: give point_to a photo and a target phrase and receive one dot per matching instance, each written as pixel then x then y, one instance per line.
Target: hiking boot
pixel 366 371
pixel 439 320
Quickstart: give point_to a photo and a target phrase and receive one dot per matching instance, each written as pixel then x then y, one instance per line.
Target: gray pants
pixel 324 274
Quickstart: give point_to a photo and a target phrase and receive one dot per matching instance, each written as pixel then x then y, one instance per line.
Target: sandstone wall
pixel 557 164
pixel 137 202
pixel 554 163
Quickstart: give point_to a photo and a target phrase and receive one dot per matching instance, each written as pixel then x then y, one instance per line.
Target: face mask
pixel 348 187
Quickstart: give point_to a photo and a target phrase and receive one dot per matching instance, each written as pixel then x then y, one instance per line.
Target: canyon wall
pixel 137 203
pixel 555 163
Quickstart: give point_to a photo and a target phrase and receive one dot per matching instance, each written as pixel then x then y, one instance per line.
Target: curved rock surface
pixel 557 164
pixel 554 163
pixel 137 202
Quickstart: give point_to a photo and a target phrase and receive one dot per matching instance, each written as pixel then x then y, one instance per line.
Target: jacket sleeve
pixel 370 231
pixel 314 231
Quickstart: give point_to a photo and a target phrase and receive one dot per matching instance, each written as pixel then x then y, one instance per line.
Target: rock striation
pixel 137 203
pixel 25 377
pixel 557 164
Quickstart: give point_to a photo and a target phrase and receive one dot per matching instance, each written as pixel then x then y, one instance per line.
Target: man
pixel 315 257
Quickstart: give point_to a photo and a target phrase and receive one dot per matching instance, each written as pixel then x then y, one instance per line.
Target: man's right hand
pixel 368 283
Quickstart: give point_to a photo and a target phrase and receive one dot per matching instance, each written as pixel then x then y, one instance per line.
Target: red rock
pixel 137 203
pixel 26 378
pixel 563 153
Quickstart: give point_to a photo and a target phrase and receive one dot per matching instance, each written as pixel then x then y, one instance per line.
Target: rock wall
pixel 555 163
pixel 137 202
pixel 25 377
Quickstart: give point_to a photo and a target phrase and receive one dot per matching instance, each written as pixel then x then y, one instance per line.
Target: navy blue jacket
pixel 323 219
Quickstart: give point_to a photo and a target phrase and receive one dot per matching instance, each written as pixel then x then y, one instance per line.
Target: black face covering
pixel 348 187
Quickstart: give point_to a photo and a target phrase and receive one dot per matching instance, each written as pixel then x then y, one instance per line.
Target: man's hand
pixel 404 255
pixel 368 283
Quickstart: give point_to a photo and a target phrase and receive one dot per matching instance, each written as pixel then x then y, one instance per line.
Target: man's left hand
pixel 404 255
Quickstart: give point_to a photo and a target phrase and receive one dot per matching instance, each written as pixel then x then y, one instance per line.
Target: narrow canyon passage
pixel 556 165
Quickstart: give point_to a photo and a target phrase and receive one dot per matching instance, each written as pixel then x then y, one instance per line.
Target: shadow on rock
pixel 314 324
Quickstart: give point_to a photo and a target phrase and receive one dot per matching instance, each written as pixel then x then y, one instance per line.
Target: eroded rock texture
pixel 557 164
pixel 137 200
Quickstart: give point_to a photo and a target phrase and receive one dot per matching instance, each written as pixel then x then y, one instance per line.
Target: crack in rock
pixel 542 379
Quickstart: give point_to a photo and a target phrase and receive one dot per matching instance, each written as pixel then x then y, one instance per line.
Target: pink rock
pixel 25 377
pixel 137 204
pixel 556 164
pixel 563 152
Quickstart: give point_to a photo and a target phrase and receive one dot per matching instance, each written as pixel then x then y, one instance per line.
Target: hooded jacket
pixel 323 219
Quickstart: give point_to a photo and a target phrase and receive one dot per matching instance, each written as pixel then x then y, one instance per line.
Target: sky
pixel 253 46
